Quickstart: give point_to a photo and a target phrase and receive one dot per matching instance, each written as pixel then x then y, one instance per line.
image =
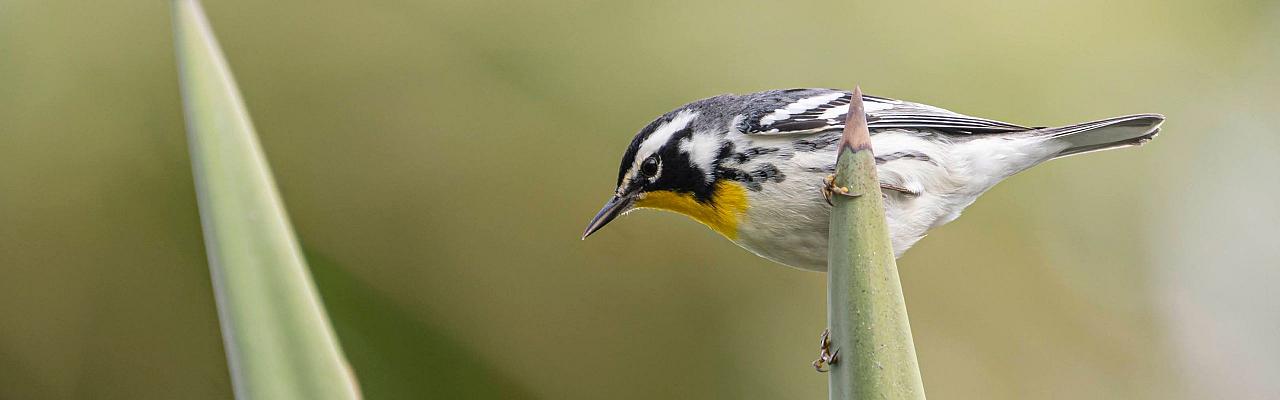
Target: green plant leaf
pixel 865 306
pixel 278 339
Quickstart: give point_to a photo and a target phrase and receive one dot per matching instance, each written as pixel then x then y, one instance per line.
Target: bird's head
pixel 675 164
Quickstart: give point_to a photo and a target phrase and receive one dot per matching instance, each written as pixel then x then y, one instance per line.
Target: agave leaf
pixel 278 339
pixel 865 306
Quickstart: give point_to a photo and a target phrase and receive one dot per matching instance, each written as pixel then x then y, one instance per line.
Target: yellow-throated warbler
pixel 750 166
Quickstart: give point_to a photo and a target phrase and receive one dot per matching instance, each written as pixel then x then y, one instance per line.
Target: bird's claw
pixel 829 188
pixel 826 357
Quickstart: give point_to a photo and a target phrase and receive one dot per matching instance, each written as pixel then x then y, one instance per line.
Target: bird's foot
pixel 829 189
pixel 826 357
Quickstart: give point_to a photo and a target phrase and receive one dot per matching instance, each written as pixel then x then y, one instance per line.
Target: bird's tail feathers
pixel 1105 134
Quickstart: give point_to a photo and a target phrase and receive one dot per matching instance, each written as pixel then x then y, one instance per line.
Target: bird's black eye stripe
pixel 649 167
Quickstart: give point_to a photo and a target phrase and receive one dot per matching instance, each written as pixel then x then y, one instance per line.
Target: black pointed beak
pixel 616 206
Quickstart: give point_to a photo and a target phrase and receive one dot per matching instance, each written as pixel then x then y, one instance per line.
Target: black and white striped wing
pixel 821 111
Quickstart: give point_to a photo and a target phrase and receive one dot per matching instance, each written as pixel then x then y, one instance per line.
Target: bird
pixel 751 167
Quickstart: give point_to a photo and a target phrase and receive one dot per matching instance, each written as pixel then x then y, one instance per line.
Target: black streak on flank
pixel 748 154
pixel 768 172
pixel 816 143
pixel 754 179
pixel 726 149
pixel 830 169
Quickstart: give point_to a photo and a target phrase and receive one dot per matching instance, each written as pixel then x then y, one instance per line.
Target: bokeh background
pixel 440 158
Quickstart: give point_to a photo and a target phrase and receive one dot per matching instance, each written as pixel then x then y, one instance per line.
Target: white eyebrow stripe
pixel 663 134
pixel 656 140
pixel 799 106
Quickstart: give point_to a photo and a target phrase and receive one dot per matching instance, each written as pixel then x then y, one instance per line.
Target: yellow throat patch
pixel 722 214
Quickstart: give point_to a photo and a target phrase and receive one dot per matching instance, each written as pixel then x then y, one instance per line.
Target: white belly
pixel 788 221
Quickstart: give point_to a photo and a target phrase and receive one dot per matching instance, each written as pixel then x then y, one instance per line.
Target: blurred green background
pixel 439 160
